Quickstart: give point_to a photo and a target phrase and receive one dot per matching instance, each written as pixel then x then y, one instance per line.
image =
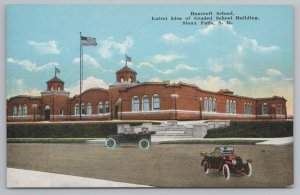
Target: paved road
pixel 176 165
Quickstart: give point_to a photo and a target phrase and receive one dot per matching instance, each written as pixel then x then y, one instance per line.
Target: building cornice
pixel 61 93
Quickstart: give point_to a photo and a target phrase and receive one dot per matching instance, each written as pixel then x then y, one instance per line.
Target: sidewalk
pixel 266 141
pixel 20 178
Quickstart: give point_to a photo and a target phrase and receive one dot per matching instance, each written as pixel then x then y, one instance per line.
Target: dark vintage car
pixel 224 160
pixel 143 139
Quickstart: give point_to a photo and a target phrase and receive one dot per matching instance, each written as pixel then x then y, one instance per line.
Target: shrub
pixel 254 129
pixel 61 130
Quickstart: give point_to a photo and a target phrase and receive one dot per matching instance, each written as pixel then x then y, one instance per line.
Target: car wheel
pixel 206 167
pixel 110 143
pixel 144 143
pixel 248 170
pixel 226 171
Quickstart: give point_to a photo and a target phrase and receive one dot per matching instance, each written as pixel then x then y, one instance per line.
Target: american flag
pixel 57 71
pixel 88 41
pixel 128 59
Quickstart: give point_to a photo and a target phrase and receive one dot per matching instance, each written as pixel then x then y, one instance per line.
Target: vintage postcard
pixel 149 96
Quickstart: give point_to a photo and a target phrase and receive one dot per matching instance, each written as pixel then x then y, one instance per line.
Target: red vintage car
pixel 224 160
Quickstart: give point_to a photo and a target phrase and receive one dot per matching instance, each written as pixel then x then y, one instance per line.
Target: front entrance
pixel 47 113
pixel 116 111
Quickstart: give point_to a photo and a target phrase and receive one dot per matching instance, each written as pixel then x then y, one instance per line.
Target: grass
pixel 48 140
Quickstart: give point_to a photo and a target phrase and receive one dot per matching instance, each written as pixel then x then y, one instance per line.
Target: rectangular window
pixel 106 107
pixel 156 103
pixel 100 108
pixel 135 104
pixel 265 109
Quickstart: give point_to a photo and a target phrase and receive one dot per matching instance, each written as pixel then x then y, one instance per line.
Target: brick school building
pixel 129 100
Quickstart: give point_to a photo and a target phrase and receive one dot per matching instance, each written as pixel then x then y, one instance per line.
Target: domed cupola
pixel 55 84
pixel 126 75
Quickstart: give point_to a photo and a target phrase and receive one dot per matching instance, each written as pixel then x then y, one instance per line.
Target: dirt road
pixel 169 165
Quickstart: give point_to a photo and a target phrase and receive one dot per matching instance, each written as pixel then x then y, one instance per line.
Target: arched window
pixel 58 88
pixel 135 104
pixel 61 112
pixel 82 108
pixel 227 106
pixel 279 109
pixel 122 79
pixel 106 107
pixel 215 105
pixel 77 109
pixel 265 108
pixel 250 108
pixel 155 102
pixel 100 108
pixel 51 88
pixel 230 106
pixel 234 106
pixel 145 103
pixel 130 80
pixel 210 105
pixel 25 109
pixel 15 111
pixel 205 104
pixel 20 110
pixel 89 109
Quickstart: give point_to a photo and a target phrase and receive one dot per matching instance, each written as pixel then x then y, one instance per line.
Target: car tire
pixel 248 171
pixel 144 144
pixel 110 143
pixel 226 171
pixel 206 167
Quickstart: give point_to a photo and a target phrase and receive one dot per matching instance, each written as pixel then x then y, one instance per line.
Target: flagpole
pixel 80 82
pixel 126 60
pixel 55 71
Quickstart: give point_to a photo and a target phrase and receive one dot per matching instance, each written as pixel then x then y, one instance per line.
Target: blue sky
pixel 252 58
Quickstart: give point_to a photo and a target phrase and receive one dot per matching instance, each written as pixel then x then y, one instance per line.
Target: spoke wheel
pixel 144 144
pixel 226 171
pixel 248 170
pixel 110 143
pixel 206 167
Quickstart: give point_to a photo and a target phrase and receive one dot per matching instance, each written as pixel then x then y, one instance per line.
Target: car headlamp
pixel 233 162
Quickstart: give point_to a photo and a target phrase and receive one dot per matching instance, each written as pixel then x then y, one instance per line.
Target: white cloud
pixel 30 66
pixel 215 65
pixel 288 78
pixel 207 30
pixel 210 83
pixel 49 47
pixel 165 58
pixel 108 46
pixel 20 88
pixel 258 79
pixel 87 59
pixel 177 68
pixel 184 67
pixel 240 49
pixel 274 72
pixel 172 38
pixel 89 82
pixel 255 47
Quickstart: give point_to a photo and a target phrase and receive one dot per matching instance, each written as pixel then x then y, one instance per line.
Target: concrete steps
pixel 172 131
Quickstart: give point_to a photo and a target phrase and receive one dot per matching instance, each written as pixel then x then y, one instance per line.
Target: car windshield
pixel 226 150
